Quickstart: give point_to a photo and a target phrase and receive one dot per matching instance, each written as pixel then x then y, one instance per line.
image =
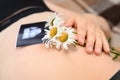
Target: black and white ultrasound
pixel 30 34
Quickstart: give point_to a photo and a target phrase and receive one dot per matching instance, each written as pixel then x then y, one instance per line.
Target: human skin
pixel 87 25
pixel 36 62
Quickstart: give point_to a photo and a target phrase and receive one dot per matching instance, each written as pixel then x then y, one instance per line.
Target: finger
pixel 69 22
pixel 81 32
pixel 106 46
pixel 98 43
pixel 90 39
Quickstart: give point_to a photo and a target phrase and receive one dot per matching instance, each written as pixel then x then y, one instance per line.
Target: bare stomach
pixel 35 62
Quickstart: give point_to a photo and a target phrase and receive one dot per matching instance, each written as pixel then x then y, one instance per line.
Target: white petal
pixel 65 46
pixel 47 44
pixel 58 44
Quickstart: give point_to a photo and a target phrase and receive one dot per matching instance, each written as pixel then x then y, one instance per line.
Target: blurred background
pixel 109 9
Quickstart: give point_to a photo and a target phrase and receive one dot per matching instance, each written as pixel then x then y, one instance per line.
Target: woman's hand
pixel 89 31
pixel 89 28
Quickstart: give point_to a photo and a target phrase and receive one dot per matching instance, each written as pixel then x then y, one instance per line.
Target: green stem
pixel 114 51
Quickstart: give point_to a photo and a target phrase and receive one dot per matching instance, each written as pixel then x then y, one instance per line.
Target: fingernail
pixel 98 52
pixel 82 41
pixel 89 49
pixel 107 50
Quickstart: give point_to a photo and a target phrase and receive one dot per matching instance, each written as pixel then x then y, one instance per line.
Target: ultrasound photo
pixel 30 34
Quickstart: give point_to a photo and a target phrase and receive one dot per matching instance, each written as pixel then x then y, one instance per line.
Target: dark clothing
pixel 13 10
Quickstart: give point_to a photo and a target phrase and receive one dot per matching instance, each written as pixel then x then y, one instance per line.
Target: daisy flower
pixel 54 24
pixel 65 38
pixel 55 20
pixel 50 38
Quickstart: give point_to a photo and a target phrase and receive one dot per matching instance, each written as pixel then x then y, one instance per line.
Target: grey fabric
pixel 109 9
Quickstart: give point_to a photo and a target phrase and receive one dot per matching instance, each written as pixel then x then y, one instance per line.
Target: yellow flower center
pixel 53 32
pixel 63 37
